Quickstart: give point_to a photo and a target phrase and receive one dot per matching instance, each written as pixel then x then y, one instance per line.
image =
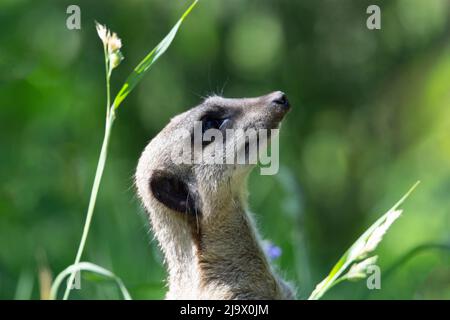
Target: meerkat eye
pixel 213 123
pixel 225 123
pixel 210 124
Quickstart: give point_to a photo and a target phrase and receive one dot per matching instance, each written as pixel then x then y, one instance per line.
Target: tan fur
pixel 217 254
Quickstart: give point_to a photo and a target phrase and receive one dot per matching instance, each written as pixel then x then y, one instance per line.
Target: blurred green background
pixel 371 115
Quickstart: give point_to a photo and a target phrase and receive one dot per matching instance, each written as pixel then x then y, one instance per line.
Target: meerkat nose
pixel 279 99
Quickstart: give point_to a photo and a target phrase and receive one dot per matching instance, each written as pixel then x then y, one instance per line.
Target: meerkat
pixel 198 212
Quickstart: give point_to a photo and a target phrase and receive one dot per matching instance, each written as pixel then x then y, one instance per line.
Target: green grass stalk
pixel 93 198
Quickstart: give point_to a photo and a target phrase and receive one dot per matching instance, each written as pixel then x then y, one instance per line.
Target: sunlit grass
pixel 356 260
pixel 113 57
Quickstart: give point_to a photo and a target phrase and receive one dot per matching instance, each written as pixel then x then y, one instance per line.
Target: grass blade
pixel 87 266
pixel 24 287
pixel 357 250
pixel 110 39
pixel 136 76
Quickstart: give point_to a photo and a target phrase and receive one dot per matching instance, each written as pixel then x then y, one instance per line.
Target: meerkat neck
pixel 231 260
pixel 223 261
pixel 179 252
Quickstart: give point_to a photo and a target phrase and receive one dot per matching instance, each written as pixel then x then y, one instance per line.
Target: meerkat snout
pixel 197 201
pixel 280 100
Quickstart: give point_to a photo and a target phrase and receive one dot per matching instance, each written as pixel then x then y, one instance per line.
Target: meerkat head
pixel 190 171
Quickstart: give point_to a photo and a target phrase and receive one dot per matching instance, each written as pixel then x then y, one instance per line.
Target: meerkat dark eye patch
pixel 173 192
pixel 213 122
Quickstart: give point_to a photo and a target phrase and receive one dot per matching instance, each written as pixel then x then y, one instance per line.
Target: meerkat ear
pixel 173 192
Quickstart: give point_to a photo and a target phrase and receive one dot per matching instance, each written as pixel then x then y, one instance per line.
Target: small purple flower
pixel 271 250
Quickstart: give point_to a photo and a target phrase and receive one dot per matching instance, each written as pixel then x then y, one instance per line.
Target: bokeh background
pixel 371 116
